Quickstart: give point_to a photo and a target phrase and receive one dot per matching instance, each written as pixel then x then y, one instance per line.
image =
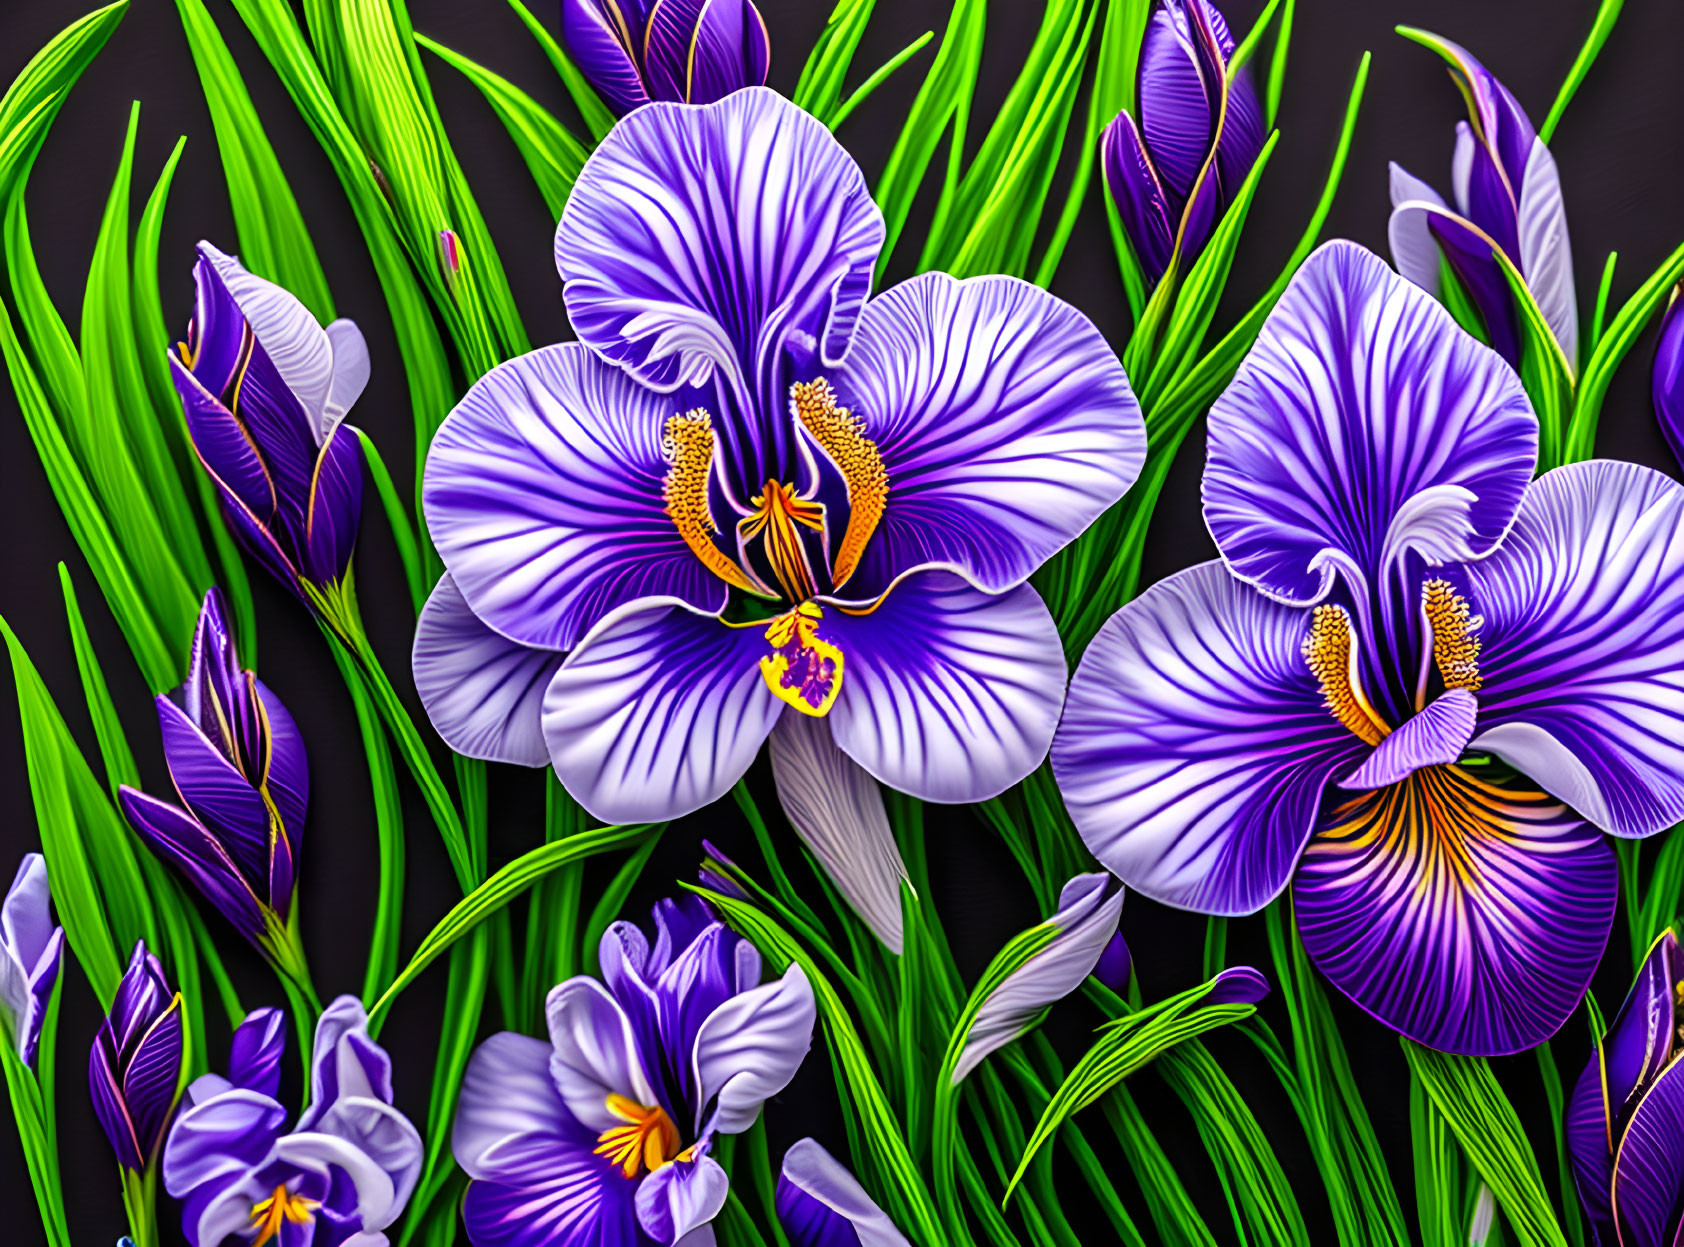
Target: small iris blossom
pixel 1173 171
pixel 342 1174
pixel 1508 199
pixel 238 766
pixel 31 954
pixel 1625 1118
pixel 820 1204
pixel 685 51
pixel 134 1067
pixel 1418 686
pixel 601 1135
pixel 265 390
pixel 752 502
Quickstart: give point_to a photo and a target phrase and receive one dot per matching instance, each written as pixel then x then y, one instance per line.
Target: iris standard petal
pixel 183 841
pixel 1004 421
pixel 749 1048
pixel 681 1197
pixel 31 950
pixel 1649 1166
pixel 948 693
pixel 287 333
pixel 224 446
pixel 351 370
pixel 837 810
pixel 1546 256
pixel 254 1057
pixel 286 778
pixel 345 1062
pixel 1364 423
pixel 1196 743
pixel 1434 737
pixel 559 1195
pixel 599 40
pixel 215 792
pixel 820 1204
pixel 703 241
pixel 1471 254
pixel 1086 919
pixel 483 692
pixel 658 712
pixel 1582 656
pixel 544 493
pixel 1467 916
pixel 219 1136
pixel 594 1053
pixel 1148 217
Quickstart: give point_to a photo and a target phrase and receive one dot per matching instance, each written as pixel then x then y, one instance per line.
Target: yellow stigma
pixel 269 1215
pixel 841 435
pixel 688 447
pixel 777 513
pixel 1455 647
pixel 648 1140
pixel 1329 654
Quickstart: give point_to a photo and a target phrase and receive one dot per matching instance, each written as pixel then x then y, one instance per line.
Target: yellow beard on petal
pixel 803 669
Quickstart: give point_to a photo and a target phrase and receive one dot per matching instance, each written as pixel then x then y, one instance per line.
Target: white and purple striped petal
pixel 680 1198
pixel 700 243
pixel 594 1053
pixel 820 1204
pixel 1583 644
pixel 483 692
pixel 1434 737
pixel 31 949
pixel 1005 423
pixel 948 693
pixel 1196 744
pixel 749 1048
pixel 1466 916
pixel 837 810
pixel 544 495
pixel 658 712
pixel 1363 424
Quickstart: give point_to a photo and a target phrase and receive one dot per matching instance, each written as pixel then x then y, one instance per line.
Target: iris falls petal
pixel 1468 916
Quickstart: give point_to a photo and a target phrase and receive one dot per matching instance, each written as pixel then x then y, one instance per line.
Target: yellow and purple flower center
pixel 1329 651
pixel 647 1141
pixel 784 543
pixel 268 1216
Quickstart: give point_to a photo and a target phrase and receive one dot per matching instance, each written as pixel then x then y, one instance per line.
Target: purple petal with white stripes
pixel 1086 919
pixel 594 1053
pixel 1363 424
pixel 1467 916
pixel 507 1094
pixel 948 693
pixel 1195 743
pixel 483 692
pixel 1546 254
pixel 1004 420
pixel 699 244
pixel 544 495
pixel 557 1194
pixel 1435 736
pixel 748 1049
pixel 681 1197
pixel 820 1204
pixel 1583 644
pixel 837 810
pixel 31 949
pixel 658 712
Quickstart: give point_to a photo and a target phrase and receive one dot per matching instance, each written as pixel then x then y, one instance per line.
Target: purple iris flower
pixel 265 390
pixel 1418 685
pixel 134 1068
pixel 1667 380
pixel 683 51
pixel 31 952
pixel 820 1204
pixel 238 766
pixel 1625 1118
pixel 601 1136
pixel 1172 171
pixel 341 1175
pixel 751 502
pixel 1508 199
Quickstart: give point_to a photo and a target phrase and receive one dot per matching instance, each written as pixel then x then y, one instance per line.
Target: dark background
pixel 1619 152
